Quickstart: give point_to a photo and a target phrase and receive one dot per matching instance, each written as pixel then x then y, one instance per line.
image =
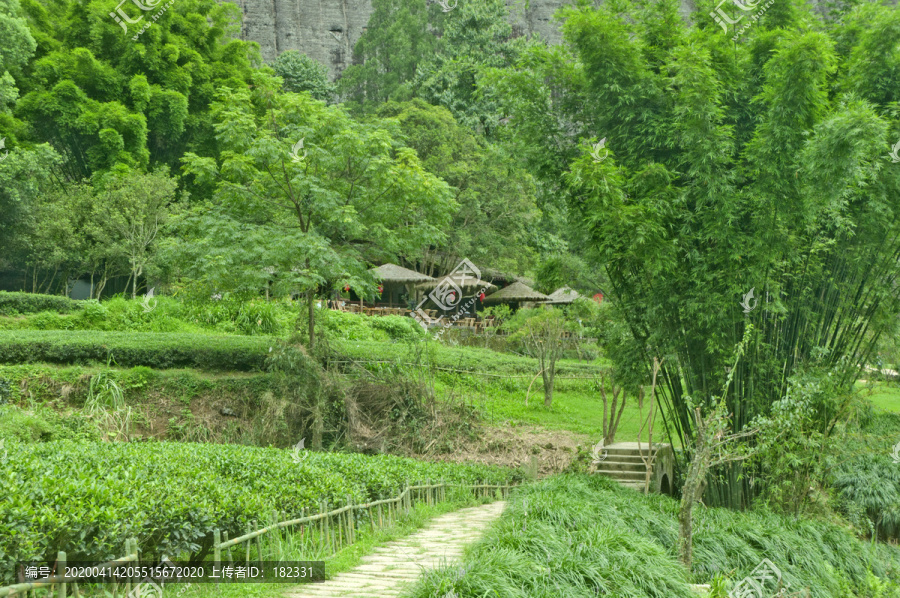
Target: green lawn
pixel 885 396
pixel 577 407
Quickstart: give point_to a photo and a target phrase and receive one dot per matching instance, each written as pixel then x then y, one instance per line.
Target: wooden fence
pixel 336 527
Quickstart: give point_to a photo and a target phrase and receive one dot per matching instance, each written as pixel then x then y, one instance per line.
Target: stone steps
pixel 623 462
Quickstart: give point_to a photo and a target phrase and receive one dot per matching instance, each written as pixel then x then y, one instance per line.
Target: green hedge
pixel 128 349
pixel 14 304
pixel 86 498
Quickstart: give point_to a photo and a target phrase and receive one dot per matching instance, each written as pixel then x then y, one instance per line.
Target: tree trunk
pixel 312 320
pixel 547 375
pixel 318 424
pixel 692 492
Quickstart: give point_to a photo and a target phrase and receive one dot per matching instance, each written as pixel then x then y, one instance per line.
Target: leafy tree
pixel 103 99
pixel 301 73
pixel 137 207
pixel 396 40
pixel 314 214
pixel 541 333
pixel 687 217
pixel 494 193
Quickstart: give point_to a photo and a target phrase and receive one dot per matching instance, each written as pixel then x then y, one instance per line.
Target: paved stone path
pixel 392 567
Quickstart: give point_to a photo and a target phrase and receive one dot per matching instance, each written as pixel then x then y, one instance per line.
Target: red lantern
pixel 598 298
pixel 347 288
pixel 380 289
pixel 481 296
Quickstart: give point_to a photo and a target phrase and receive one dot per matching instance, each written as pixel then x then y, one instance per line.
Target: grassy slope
pixel 574 536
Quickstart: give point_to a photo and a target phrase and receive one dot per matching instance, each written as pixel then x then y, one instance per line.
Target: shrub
pixel 86 498
pixel 159 350
pixel 43 424
pixel 14 304
pixel 399 327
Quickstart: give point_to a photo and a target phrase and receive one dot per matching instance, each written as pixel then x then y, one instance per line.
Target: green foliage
pixel 159 350
pixel 43 424
pixel 87 498
pixel 14 304
pixel 301 73
pixel 576 536
pixel 700 200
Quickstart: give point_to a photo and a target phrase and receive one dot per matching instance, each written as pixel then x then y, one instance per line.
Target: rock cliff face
pixel 327 30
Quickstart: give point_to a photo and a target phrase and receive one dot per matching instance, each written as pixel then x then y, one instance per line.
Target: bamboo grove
pixel 762 165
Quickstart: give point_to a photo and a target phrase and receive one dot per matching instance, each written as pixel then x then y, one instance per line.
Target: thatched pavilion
pixel 398 281
pixel 516 294
pixel 563 296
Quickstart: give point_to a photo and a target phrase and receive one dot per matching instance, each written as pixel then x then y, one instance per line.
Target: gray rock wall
pixel 327 30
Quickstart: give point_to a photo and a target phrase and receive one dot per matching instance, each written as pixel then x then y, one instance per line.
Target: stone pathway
pixel 391 568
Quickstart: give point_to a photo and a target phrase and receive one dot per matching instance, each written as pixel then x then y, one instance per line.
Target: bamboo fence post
pixel 331 528
pixel 258 543
pixel 340 530
pixel 380 519
pixel 322 525
pixel 442 492
pixel 428 492
pixel 247 548
pixel 217 552
pixel 225 539
pixel 371 513
pixel 61 571
pixel 351 522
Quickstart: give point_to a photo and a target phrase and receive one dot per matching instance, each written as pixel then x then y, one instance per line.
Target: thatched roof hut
pixel 395 273
pixel 465 282
pixel 563 296
pixel 517 292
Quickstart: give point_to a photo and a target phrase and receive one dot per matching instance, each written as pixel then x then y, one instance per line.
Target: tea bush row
pixel 86 498
pixel 128 349
pixel 14 304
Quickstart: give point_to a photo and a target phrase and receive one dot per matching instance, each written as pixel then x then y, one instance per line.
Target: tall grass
pixel 579 536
